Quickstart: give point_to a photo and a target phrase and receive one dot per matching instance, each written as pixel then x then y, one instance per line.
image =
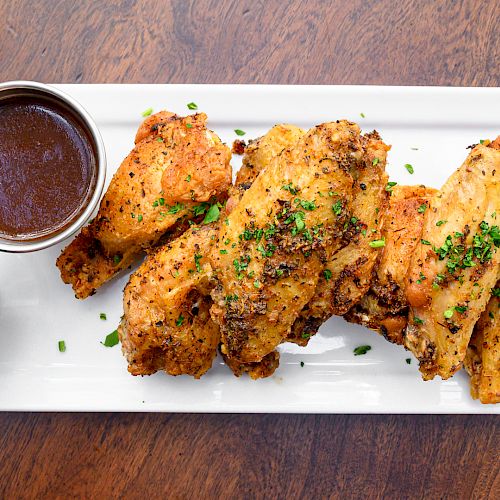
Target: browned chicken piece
pixel 456 264
pixel 166 323
pixel 261 369
pixel 347 275
pixel 482 360
pixel 259 153
pixel 274 244
pixel 385 308
pixel 160 289
pixel 176 167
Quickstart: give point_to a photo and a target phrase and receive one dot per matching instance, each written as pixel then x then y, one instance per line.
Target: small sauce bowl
pixel 52 166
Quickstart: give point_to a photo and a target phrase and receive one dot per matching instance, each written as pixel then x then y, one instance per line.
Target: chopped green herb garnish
pixel 307 205
pixel 289 187
pixel 418 321
pixel 223 252
pixel 305 335
pixel 362 349
pixel 176 208
pixel 409 168
pixel 441 222
pixel 139 218
pixel 375 161
pixel 422 208
pixel 239 132
pixel 117 259
pixel 448 313
pixel 362 115
pixel 188 178
pixel 111 339
pixel 389 186
pixel 495 292
pixel 377 243
pixel 179 320
pixel 147 112
pixel 425 242
pixel 159 139
pixel 103 316
pixel 192 105
pixel 62 346
pixel 337 207
pixel 256 283
pixel 327 274
pixel 197 258
pixel 189 125
pixel 213 214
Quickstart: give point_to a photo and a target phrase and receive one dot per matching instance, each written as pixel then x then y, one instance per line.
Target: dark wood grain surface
pixel 193 456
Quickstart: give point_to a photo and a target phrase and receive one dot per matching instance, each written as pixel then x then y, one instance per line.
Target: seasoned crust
pixel 172 169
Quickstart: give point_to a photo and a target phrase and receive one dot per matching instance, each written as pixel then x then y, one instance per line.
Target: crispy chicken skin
pixel 385 308
pixel 176 164
pixel 347 275
pixel 166 323
pixel 275 242
pixel 482 360
pixel 456 264
pixel 257 155
pixel 160 288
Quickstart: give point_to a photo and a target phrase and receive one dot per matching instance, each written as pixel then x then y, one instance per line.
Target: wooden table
pixel 405 42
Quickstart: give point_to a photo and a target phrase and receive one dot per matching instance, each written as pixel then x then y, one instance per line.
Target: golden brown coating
pixel 261 369
pixel 259 153
pixel 482 360
pixel 166 323
pixel 385 308
pixel 348 273
pixel 179 164
pixel 456 264
pixel 274 244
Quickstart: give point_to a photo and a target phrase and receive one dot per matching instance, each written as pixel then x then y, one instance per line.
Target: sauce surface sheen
pixel 47 167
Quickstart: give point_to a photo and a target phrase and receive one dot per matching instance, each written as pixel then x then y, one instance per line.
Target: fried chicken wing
pixel 160 289
pixel 176 164
pixel 384 308
pixel 482 360
pixel 347 274
pixel 273 245
pixel 166 323
pixel 257 155
pixel 456 264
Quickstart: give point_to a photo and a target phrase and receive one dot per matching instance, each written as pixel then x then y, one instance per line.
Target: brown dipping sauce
pixel 47 167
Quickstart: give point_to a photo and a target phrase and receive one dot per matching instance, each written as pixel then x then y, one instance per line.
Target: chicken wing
pixel 347 274
pixel 176 164
pixel 273 245
pixel 456 264
pixel 385 308
pixel 482 360
pixel 157 291
pixel 166 323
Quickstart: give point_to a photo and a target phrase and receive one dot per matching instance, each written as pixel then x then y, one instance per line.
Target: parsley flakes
pixel 111 339
pixel 362 349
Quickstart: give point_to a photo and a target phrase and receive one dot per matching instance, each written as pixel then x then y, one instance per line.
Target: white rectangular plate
pixel 427 127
